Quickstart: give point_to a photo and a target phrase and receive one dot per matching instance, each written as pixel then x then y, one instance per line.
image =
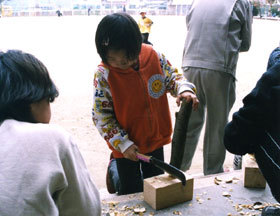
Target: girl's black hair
pixel 23 80
pixel 118 31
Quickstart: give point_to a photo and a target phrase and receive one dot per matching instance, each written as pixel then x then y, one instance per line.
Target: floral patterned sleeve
pixel 175 82
pixel 103 113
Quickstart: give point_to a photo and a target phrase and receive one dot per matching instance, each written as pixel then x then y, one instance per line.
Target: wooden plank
pixel 164 191
pixel 253 177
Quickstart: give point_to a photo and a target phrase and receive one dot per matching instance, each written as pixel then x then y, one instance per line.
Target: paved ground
pixel 66 46
pixel 210 199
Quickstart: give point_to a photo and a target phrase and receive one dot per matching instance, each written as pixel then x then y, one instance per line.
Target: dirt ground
pixel 66 46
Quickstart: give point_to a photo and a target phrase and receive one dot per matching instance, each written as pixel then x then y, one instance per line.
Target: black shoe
pixel 271 211
pixel 109 182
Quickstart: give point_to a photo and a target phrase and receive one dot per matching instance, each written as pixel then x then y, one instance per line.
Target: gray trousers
pixel 216 94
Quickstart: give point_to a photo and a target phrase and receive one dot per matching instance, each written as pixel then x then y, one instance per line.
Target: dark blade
pixel 169 169
pixel 180 134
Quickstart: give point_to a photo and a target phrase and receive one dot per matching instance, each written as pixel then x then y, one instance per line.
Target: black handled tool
pixel 164 166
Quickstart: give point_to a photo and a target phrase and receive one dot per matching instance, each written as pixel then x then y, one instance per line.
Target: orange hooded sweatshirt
pixel 136 102
pixel 145 118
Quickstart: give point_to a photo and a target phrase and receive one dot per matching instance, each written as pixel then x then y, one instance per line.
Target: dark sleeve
pixel 274 58
pixel 248 125
pixel 242 133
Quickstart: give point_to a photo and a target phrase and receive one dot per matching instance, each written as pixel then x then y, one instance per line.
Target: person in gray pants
pixel 217 31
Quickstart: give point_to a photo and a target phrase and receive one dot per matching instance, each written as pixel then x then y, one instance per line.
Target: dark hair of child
pixel 118 31
pixel 23 80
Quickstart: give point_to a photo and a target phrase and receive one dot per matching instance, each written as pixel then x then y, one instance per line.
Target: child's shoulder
pixel 36 131
pixel 102 69
pixel 49 138
pixel 101 72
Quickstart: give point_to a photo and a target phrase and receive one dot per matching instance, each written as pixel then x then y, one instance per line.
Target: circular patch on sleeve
pixel 156 86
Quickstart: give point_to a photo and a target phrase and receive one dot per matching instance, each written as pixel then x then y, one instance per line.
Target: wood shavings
pixel 112 204
pixel 139 210
pixel 242 213
pixel 228 181
pixel 115 213
pixel 238 208
pixel 226 194
pixel 258 207
pixel 217 180
pixel 199 200
pixel 254 209
pixel 123 208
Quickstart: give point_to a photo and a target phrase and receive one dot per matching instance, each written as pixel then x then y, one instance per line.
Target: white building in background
pixel 180 7
pixel 83 7
pixel 96 7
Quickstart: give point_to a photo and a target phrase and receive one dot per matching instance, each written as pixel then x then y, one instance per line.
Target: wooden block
pixel 253 177
pixel 163 191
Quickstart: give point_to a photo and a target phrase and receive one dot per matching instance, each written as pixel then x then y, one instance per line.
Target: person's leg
pixel 196 119
pixel 219 91
pixel 130 176
pixel 145 38
pixel 150 170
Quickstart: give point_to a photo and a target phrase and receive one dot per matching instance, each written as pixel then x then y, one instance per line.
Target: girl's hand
pixel 188 96
pixel 130 153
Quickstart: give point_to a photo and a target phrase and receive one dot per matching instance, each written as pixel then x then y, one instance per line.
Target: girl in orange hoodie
pixel 131 109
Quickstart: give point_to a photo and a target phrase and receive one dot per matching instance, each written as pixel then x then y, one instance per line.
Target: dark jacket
pixel 255 128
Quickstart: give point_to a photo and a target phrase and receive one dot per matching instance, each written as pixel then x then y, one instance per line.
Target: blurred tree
pixel 271 1
pixel 1 7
